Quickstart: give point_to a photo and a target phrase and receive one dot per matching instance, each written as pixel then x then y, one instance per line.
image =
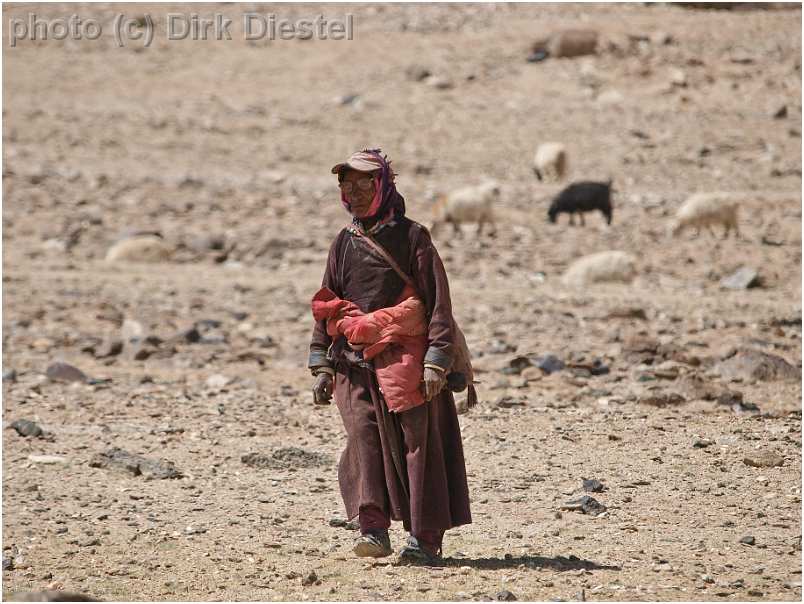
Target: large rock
pixel 286 457
pixel 145 248
pixel 64 372
pixel 763 459
pixel 567 43
pixel 743 278
pixel 26 428
pixel 751 364
pixel 604 267
pixel 118 459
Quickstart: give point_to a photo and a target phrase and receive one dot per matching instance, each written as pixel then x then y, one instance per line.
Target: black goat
pixel 582 197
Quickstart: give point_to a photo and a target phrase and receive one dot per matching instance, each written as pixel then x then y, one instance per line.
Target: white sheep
pixel 706 209
pixel 467 205
pixel 550 161
pixel 610 266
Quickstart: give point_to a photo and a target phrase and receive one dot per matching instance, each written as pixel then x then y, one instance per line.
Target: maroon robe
pixel 410 464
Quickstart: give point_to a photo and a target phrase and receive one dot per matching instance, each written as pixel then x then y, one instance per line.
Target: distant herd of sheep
pixel 474 204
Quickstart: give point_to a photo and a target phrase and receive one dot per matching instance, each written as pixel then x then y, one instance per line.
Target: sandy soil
pixel 224 148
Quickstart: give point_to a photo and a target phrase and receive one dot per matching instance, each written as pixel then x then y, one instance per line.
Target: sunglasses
pixel 364 184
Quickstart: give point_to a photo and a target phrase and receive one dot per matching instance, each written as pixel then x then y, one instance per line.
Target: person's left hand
pixel 434 381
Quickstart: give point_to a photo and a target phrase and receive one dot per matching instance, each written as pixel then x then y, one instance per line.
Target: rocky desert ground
pixel 173 451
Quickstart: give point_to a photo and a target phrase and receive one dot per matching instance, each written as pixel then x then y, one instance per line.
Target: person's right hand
pixel 322 389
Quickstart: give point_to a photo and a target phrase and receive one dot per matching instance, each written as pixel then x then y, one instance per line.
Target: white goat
pixel 466 205
pixel 706 209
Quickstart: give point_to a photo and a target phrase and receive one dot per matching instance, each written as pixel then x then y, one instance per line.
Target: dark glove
pixel 434 381
pixel 322 389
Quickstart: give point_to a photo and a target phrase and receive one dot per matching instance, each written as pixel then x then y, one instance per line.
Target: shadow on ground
pixel 558 563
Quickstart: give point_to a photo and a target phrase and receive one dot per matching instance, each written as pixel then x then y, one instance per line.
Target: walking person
pixel 384 343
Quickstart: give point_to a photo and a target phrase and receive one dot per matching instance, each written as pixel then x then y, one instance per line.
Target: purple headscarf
pixel 387 199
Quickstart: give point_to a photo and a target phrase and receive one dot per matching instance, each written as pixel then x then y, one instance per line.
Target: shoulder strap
pixel 387 257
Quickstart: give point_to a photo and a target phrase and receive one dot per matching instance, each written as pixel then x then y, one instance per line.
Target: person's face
pixel 358 188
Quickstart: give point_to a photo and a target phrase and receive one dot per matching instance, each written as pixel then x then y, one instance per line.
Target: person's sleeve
pixel 320 342
pixel 431 281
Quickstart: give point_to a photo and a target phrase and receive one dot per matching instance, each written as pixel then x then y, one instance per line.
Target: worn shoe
pixel 373 545
pixel 415 553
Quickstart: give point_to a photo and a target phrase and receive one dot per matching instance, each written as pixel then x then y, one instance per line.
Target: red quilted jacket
pixel 394 338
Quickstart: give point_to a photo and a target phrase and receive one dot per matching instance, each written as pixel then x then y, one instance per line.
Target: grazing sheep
pixel 582 197
pixel 706 209
pixel 611 266
pixel 550 161
pixel 468 204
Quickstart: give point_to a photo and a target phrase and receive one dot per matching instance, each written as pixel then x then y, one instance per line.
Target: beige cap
pixel 360 161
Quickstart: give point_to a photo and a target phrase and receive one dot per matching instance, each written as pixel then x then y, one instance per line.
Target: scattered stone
pixel 702 443
pixel 141 249
pixel 506 402
pixel 118 459
pixel 439 83
pixel 10 375
pixel 549 363
pixel 780 113
pixel 499 346
pixel 110 347
pixel 517 365
pixel 217 381
pixel 568 43
pixel 586 505
pixel 286 458
pixel 678 78
pixel 743 278
pixel 734 400
pixel 628 313
pixel 310 579
pixel 417 73
pixel 505 596
pixel 751 364
pixel 63 372
pixel 27 428
pixel 207 242
pixel 47 459
pixel 603 267
pixel 610 98
pixel 8 564
pixel 748 540
pixel 597 367
pixel 661 399
pixel 592 485
pixel 337 522
pixel 764 460
pixel 147 347
pixel 131 330
pixel 661 38
pixel 190 335
pixel 347 99
pixel 640 349
pixel 532 374
pixel 195 530
pixel 729 397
